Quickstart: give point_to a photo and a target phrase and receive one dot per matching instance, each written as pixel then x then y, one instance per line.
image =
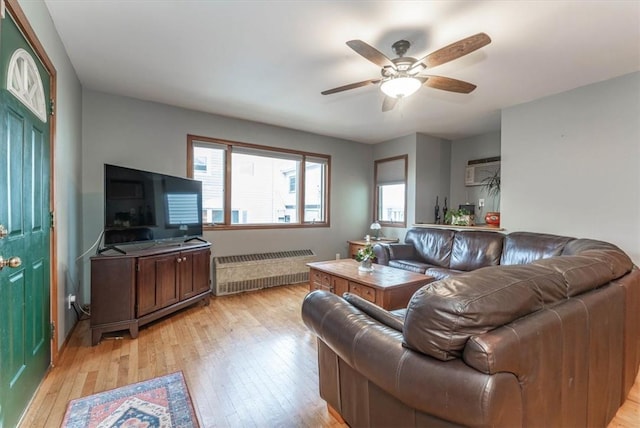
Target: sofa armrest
pixel 417 380
pixel 571 351
pixel 381 251
pixel 375 311
pixel 403 252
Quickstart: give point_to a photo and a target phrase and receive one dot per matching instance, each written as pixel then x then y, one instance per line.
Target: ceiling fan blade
pixel 350 86
pixel 454 50
pixel 389 103
pixel 370 53
pixel 448 84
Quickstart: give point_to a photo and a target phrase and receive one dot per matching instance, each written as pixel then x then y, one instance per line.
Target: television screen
pixel 147 206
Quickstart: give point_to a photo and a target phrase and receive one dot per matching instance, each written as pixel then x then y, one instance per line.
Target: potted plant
pixel 365 257
pixel 460 217
pixel 491 185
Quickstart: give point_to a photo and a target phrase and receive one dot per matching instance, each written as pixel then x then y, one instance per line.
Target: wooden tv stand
pixel 133 289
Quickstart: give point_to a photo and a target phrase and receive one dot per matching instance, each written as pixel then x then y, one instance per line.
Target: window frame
pixel 227 214
pixel 376 191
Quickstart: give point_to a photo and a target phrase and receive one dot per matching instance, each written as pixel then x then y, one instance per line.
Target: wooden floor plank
pixel 248 360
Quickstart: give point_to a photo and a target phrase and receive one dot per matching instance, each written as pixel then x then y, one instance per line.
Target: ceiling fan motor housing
pixel 401 47
pixel 405 63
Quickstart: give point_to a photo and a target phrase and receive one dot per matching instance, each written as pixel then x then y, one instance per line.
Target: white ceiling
pixel 268 61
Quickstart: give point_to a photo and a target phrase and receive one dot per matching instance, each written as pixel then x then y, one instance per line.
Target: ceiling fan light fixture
pixel 401 86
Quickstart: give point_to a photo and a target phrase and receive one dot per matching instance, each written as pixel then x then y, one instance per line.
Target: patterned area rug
pixel 159 402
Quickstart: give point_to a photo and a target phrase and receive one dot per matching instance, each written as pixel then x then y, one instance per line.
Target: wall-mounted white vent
pixel 235 274
pixel 478 170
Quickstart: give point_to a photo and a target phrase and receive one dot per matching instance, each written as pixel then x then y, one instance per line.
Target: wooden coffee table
pixel 387 287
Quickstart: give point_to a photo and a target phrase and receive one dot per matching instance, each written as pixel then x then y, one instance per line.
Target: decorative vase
pixel 365 266
pixel 492 218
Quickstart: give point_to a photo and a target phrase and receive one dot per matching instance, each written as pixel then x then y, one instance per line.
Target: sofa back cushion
pixel 524 247
pixel 432 245
pixel 476 249
pixel 618 261
pixel 580 273
pixel 443 315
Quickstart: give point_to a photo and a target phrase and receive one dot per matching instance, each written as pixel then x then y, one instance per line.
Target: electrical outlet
pixel 480 203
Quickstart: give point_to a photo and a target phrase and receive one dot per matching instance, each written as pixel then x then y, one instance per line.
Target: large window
pixel 390 197
pixel 246 185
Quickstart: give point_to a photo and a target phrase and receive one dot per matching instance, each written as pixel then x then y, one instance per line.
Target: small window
pixel 209 163
pixel 315 189
pixel 200 164
pixel 390 198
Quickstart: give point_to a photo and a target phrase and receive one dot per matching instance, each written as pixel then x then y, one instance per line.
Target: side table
pixel 355 245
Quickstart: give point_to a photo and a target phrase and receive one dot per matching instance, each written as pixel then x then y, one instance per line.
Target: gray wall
pixel 428 176
pixel 151 136
pixel 66 156
pixel 571 164
pixel 463 150
pixel 399 146
pixel 433 176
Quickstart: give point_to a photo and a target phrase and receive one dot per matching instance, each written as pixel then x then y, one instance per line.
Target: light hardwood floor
pixel 248 360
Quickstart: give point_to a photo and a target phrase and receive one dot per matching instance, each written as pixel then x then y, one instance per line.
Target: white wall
pixel 151 136
pixel 463 150
pixel 66 156
pixel 571 164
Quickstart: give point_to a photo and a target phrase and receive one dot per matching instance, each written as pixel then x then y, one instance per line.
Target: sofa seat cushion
pixel 441 273
pixel 443 315
pixel 410 265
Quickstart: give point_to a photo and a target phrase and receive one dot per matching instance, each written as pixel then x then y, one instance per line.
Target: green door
pixel 25 347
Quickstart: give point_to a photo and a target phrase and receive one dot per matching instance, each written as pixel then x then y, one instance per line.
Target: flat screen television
pixel 144 206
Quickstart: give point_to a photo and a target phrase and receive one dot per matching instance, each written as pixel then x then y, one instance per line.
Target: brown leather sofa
pixel 543 332
pixel 444 252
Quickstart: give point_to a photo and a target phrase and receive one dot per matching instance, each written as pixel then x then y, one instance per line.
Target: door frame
pixel 23 24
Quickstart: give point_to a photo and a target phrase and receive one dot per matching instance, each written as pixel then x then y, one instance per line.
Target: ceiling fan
pixel 401 76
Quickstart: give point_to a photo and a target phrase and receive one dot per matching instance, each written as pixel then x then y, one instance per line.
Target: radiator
pixel 235 274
